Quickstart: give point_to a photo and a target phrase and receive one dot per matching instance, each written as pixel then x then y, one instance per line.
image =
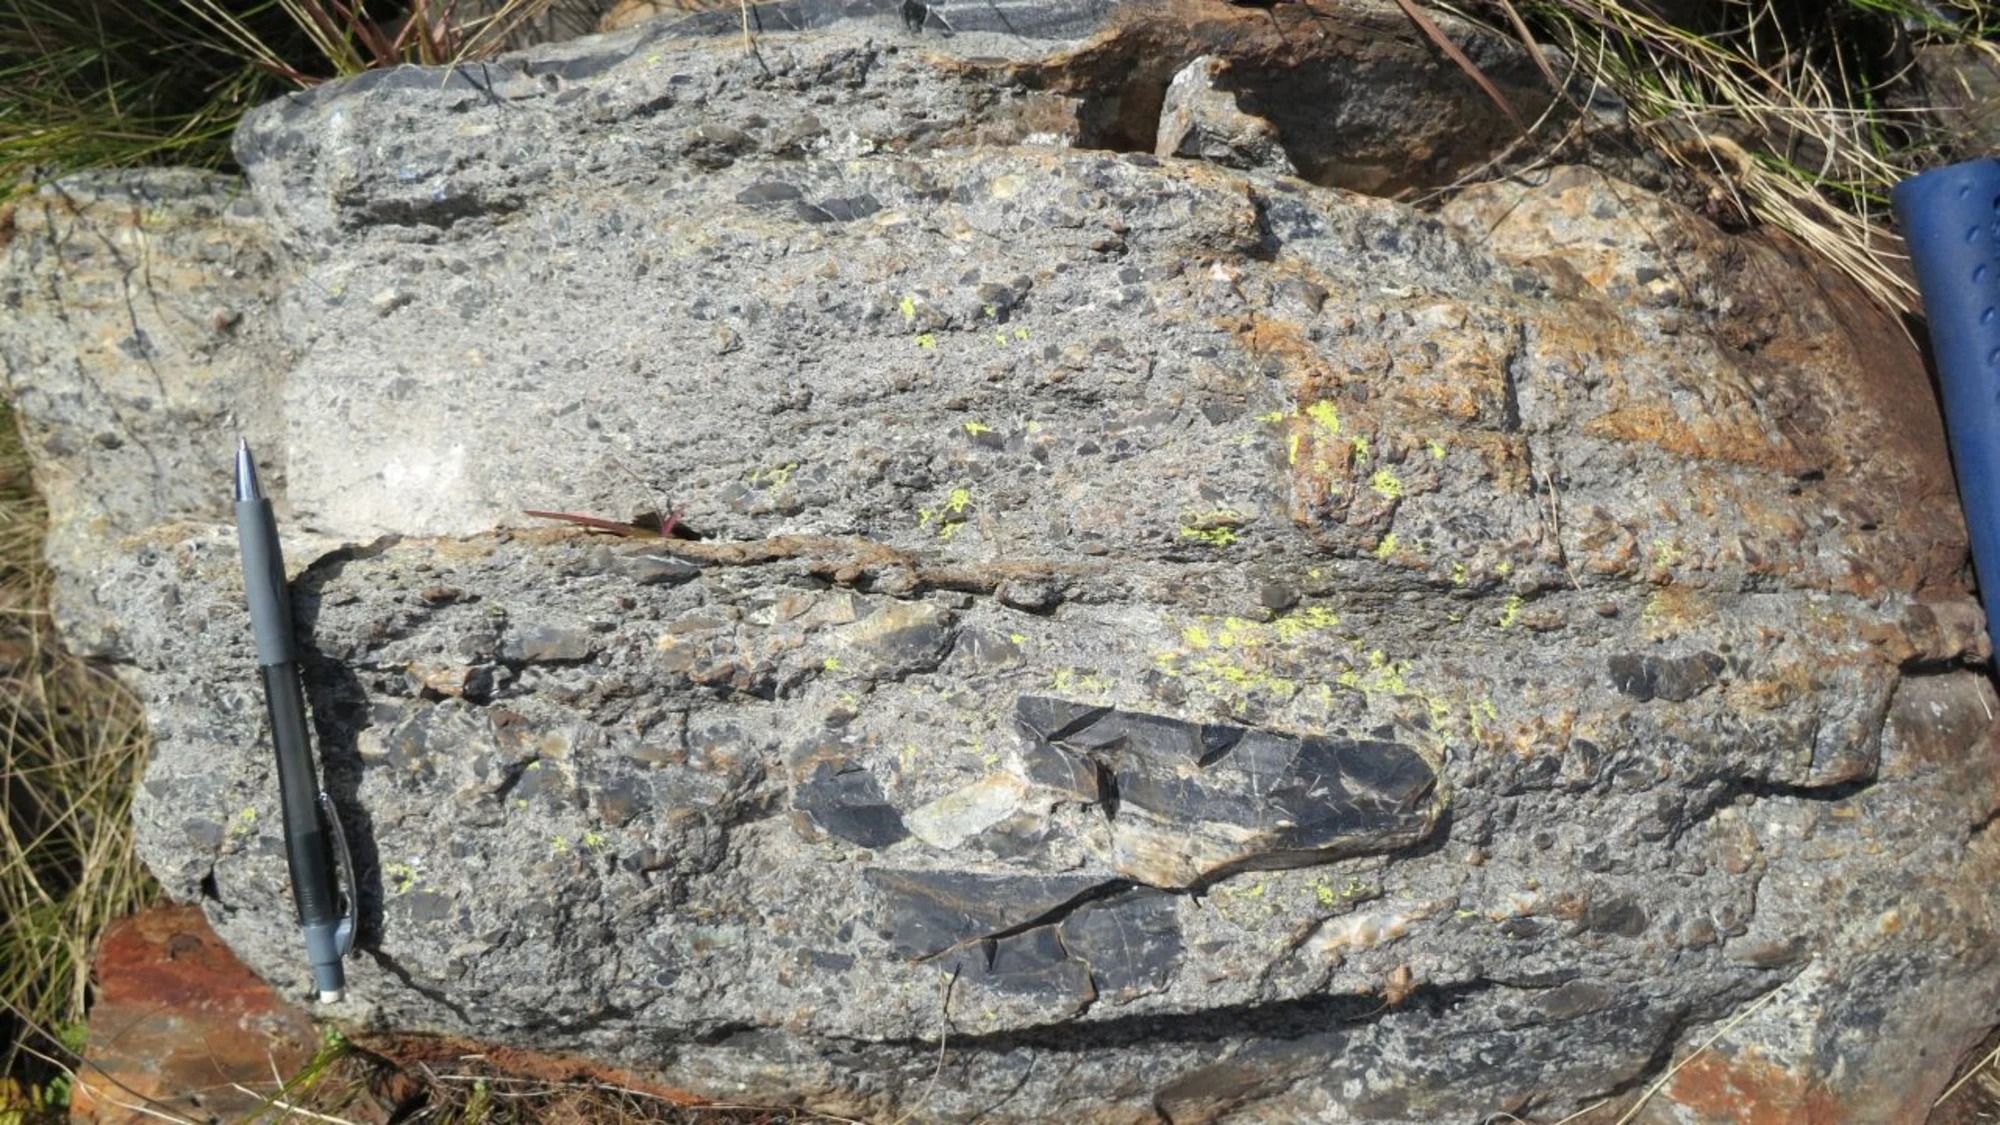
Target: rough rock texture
pixel 1202 120
pixel 1962 83
pixel 1203 643
pixel 180 1029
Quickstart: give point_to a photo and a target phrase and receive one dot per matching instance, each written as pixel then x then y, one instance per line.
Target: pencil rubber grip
pixel 306 848
pixel 1951 220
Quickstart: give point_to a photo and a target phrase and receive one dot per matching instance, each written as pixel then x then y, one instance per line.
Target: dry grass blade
pixel 1981 1072
pixel 1436 34
pixel 1659 1084
pixel 71 742
pixel 1771 113
pixel 1527 38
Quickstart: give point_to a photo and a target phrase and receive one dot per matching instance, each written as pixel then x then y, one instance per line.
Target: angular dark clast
pixel 1189 802
pixel 924 913
pixel 844 799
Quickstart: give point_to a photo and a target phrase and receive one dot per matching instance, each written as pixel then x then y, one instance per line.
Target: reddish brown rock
pixel 181 1027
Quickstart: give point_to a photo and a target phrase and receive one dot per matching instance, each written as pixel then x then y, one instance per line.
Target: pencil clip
pixel 343 934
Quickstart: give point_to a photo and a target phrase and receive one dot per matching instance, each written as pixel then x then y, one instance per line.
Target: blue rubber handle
pixel 1951 220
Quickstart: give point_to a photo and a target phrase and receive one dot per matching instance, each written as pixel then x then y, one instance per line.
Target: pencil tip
pixel 246 473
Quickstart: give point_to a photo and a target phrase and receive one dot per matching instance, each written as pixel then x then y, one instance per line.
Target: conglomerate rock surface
pixel 1200 642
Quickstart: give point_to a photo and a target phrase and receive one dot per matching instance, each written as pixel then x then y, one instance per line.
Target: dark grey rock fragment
pixel 925 913
pixel 844 799
pixel 1132 941
pixel 652 570
pixel 1673 678
pixel 1191 802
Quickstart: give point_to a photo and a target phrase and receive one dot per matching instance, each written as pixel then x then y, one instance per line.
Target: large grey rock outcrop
pixel 1201 643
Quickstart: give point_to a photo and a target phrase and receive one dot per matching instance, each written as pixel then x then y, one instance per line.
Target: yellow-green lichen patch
pixel 1326 416
pixel 1319 433
pixel 1386 483
pixel 1328 895
pixel 1387 546
pixel 908 305
pixel 927 340
pixel 1376 675
pixel 775 477
pixel 946 520
pixel 1217 528
pixel 974 429
pixel 1234 656
pixel 1080 681
pixel 400 877
pixel 1510 612
pixel 1245 903
pixel 1302 622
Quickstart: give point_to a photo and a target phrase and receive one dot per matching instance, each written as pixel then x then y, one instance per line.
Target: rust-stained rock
pixel 179 1024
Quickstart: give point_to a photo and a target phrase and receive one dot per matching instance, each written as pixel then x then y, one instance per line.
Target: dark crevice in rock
pixel 1763 789
pixel 1656 1063
pixel 1122 119
pixel 722 1033
pixel 1724 793
pixel 1980 826
pixel 1510 372
pixel 1269 242
pixel 932 913
pixel 1283 1020
pixel 511 777
pixel 1296 69
pixel 437 213
pixel 1101 891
